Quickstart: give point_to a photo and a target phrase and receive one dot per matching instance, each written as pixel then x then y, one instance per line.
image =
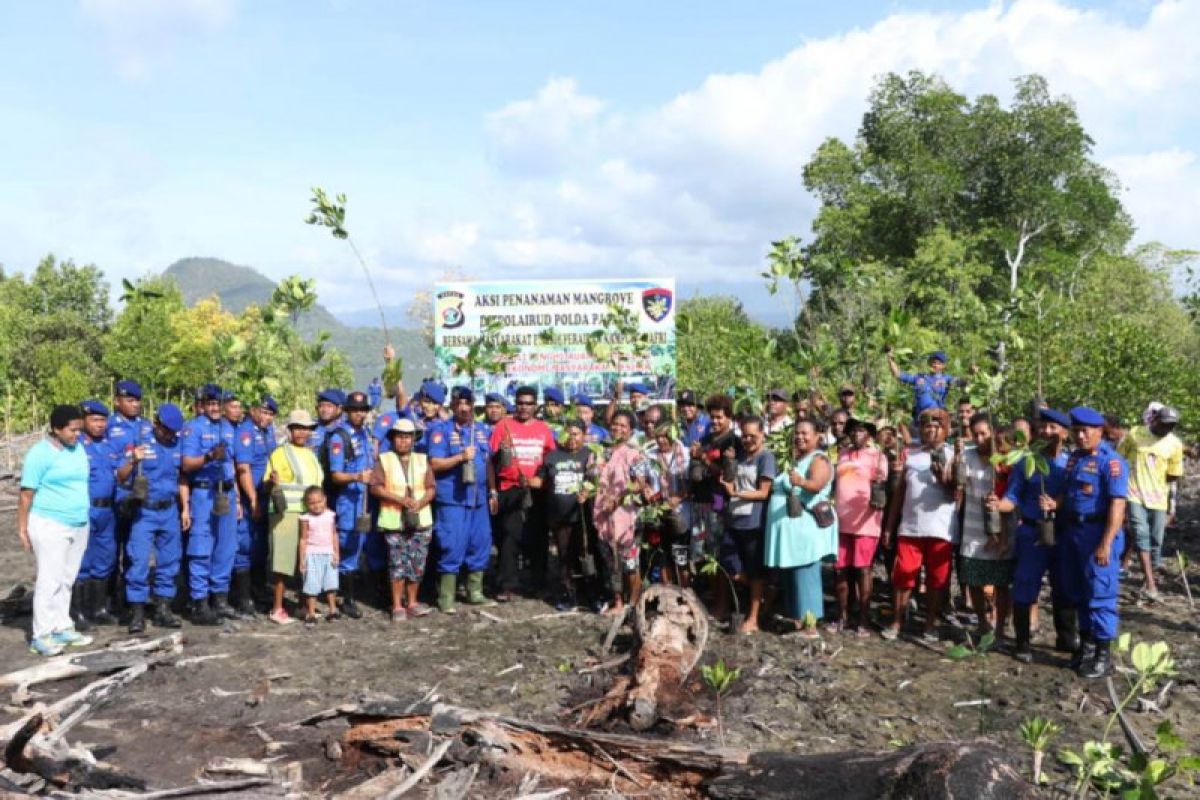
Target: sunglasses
pixel 527 402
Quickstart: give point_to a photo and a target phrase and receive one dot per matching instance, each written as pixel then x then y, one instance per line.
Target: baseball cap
pixel 129 389
pixel 94 407
pixel 686 398
pixel 1168 415
pixel 356 401
pixel 938 355
pixel 171 417
pixel 847 388
pixel 777 394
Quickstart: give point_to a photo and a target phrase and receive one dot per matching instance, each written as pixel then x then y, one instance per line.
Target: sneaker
pixel 599 606
pixel 45 646
pixel 280 617
pixel 1151 595
pixel 71 638
pixel 399 615
pixel 419 610
pixel 1123 575
pixel 889 633
pixel 931 636
pixel 564 603
pixel 333 616
pixel 310 621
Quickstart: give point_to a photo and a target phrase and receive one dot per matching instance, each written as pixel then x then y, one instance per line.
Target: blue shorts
pixel 320 575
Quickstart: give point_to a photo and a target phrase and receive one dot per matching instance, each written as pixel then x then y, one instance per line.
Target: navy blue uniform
pixel 155 530
pixel 695 430
pixel 462 524
pixel 1092 482
pixel 929 389
pixel 100 557
pixel 1032 559
pixel 253 446
pixel 349 450
pixel 212 541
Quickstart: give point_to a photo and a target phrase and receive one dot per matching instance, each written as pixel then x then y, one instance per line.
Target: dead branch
pixel 119 655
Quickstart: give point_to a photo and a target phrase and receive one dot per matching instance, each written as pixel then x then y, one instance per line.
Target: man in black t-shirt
pixel 563 474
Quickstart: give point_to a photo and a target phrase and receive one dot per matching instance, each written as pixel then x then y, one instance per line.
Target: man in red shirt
pixel 520 443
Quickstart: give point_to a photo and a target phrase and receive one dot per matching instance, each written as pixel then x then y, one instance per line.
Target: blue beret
pixel 209 391
pixel 229 394
pixel 269 404
pixel 552 394
pixel 1089 417
pixel 582 400
pixel 129 389
pixel 334 396
pixel 462 393
pixel 94 407
pixel 493 397
pixel 1054 415
pixel 640 388
pixel 432 390
pixel 938 355
pixel 171 417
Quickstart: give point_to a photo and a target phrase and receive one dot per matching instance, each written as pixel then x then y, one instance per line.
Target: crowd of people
pixel 219 516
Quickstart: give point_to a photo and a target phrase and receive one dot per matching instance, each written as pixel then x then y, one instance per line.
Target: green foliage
pixel 719 676
pixel 487 354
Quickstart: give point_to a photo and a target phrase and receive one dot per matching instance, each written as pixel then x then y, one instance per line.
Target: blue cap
pixel 494 397
pixel 432 390
pixel 462 393
pixel 640 388
pixel 1088 417
pixel 94 407
pixel 229 394
pixel 129 389
pixel 1054 415
pixel 171 417
pixel 582 400
pixel 938 355
pixel 269 404
pixel 552 394
pixel 209 391
pixel 334 396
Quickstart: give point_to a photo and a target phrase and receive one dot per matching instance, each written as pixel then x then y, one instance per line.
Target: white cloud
pixel 699 185
pixel 141 33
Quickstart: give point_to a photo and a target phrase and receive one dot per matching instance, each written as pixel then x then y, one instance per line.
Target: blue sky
pixel 543 139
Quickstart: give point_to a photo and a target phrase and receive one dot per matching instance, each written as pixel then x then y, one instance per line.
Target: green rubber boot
pixel 447 584
pixel 475 596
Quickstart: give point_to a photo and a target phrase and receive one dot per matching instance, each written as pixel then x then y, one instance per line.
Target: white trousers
pixel 57 552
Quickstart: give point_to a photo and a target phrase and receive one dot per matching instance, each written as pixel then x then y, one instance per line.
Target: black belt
pixel 102 502
pixel 1085 519
pixel 220 486
pixel 158 505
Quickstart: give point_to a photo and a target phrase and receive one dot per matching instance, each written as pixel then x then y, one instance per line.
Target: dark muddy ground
pixel 840 694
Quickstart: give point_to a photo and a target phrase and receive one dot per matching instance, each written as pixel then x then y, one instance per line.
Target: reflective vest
pixel 293 492
pixel 391 515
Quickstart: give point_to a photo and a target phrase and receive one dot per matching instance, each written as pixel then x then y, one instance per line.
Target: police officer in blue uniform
pixel 350 458
pixel 430 400
pixel 254 440
pixel 127 429
pixel 462 524
pixel 585 412
pixel 329 417
pixel 1033 559
pixel 375 393
pixel 89 605
pixel 158 522
pixel 694 423
pixel 207 450
pixel 1090 513
pixel 929 388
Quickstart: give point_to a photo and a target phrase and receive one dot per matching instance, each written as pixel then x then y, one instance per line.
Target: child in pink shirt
pixel 318 554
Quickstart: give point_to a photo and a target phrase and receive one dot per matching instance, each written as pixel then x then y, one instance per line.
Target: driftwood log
pixel 671 630
pixel 118 656
pixel 508 751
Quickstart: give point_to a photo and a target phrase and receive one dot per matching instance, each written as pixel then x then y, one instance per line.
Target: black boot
pixel 349 606
pixel 163 617
pixel 1101 664
pixel 97 592
pixel 137 621
pixel 243 602
pixel 80 609
pixel 221 607
pixel 204 614
pixel 1083 654
pixel 1066 630
pixel 1023 651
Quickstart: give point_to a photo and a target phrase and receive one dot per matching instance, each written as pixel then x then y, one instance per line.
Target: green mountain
pixel 237 287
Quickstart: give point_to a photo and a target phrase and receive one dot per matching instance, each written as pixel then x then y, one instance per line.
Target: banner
pixel 549 322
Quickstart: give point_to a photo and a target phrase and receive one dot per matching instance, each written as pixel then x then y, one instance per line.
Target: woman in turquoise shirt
pixel 52 521
pixel 796 545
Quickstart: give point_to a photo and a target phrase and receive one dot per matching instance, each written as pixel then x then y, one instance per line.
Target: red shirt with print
pixel 530 442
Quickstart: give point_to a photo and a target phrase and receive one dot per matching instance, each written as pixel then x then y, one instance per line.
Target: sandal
pixel 399 615
pixel 836 626
pixel 862 633
pixel 419 610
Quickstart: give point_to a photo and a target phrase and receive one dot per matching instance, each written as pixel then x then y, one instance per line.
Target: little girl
pixel 318 554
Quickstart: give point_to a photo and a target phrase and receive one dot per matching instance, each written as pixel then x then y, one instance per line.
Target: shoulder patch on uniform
pixel 336 445
pixel 1114 468
pixel 246 438
pixel 436 438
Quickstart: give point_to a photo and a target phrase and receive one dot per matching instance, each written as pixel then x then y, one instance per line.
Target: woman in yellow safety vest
pixel 291 469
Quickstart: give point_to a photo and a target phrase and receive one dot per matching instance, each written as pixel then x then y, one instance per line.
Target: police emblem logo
pixel 436 438
pixel 449 309
pixel 246 439
pixel 657 303
pixel 336 446
pixel 1114 468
